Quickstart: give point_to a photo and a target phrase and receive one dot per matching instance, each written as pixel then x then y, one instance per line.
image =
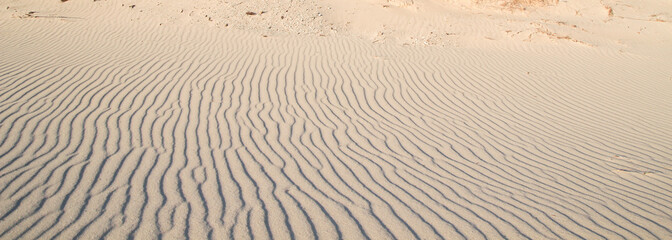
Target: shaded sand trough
pixel 189 132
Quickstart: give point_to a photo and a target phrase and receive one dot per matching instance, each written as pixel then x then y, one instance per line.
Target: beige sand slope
pixel 120 122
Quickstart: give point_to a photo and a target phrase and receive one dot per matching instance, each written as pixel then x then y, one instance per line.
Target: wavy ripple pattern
pixel 224 135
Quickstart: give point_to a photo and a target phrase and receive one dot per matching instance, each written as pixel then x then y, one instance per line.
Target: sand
pixel 336 120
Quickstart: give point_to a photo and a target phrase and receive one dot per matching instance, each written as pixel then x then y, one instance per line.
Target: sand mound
pixel 516 3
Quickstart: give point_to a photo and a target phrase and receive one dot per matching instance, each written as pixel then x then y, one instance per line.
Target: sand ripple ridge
pixel 233 135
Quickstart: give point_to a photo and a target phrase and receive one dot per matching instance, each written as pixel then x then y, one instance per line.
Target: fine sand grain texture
pixel 132 119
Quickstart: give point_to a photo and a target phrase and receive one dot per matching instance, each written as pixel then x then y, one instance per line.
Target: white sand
pixel 459 121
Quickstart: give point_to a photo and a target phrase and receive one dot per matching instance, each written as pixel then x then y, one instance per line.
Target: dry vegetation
pixel 516 3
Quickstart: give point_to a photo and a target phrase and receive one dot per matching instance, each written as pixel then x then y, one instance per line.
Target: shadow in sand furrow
pixel 25 148
pixel 512 206
pixel 561 92
pixel 227 135
pixel 185 185
pixel 396 192
pixel 306 218
pixel 94 134
pixel 260 144
pixel 86 201
pixel 7 117
pixel 351 175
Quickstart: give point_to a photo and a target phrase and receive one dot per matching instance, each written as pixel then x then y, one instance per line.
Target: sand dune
pixel 113 129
